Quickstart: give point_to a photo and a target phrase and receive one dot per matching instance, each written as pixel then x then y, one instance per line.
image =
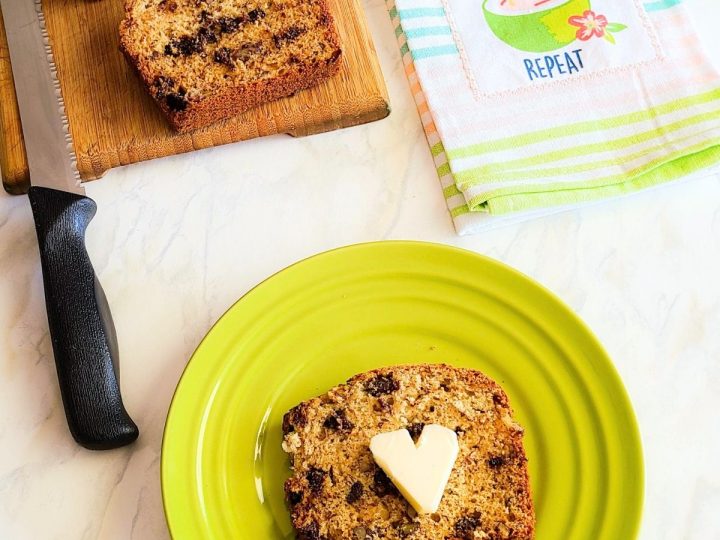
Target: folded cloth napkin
pixel 529 105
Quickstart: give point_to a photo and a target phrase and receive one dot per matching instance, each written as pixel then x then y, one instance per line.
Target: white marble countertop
pixel 176 241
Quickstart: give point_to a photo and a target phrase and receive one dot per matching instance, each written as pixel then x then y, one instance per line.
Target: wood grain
pixel 13 164
pixel 114 122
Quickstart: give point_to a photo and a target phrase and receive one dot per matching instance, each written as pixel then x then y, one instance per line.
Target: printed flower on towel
pixel 591 24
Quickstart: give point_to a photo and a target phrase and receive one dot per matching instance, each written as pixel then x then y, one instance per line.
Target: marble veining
pixel 176 241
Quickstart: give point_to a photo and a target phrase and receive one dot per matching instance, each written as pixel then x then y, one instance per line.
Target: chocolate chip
pixel 381 385
pixel 288 36
pixel 382 485
pixel 207 35
pixel 315 478
pixel 465 526
pixel 188 45
pixel 228 25
pixel 356 491
pixel 176 101
pixel 309 532
pixel 496 462
pixel 338 420
pixel 294 418
pixel 185 46
pixel 416 430
pixel 163 86
pixel 459 430
pixel 293 33
pixel 334 56
pixel 295 497
pixel 255 15
pixel 168 5
pixel 498 399
pixel 223 56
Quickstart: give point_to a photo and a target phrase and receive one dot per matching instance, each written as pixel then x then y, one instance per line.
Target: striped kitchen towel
pixel 530 105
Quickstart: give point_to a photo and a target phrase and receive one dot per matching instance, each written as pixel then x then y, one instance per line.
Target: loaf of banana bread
pixel 206 60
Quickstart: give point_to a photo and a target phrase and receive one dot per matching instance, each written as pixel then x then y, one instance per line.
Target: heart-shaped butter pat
pixel 420 471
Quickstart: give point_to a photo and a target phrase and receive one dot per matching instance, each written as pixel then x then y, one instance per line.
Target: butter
pixel 421 472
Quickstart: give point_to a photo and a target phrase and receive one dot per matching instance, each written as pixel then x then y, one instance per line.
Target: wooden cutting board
pixel 114 122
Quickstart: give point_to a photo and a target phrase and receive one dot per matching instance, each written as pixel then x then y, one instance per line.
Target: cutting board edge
pixel 93 166
pixel 13 163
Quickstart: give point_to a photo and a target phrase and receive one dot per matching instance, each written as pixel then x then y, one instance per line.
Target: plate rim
pixel 613 372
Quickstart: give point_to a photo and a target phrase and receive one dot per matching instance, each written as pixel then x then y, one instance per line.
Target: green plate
pixel 322 320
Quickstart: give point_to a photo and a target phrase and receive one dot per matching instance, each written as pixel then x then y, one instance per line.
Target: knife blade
pixel 81 327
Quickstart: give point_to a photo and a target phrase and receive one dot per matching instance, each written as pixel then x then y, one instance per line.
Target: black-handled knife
pixel 81 328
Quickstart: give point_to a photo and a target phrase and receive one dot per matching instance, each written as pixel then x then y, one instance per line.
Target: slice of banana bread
pixel 205 60
pixel 337 492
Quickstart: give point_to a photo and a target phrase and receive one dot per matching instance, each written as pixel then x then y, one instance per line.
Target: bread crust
pixel 232 101
pixel 330 433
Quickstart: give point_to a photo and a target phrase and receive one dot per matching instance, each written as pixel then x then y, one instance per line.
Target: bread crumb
pixel 291 443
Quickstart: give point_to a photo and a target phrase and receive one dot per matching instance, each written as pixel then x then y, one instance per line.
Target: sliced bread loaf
pixel 337 492
pixel 206 60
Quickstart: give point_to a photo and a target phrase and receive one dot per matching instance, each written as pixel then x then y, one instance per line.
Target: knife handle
pixel 81 327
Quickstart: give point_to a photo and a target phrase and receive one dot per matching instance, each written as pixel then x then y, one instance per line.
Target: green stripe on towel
pixel 459 210
pixel 662 170
pixel 437 149
pixel 444 169
pixel 513 170
pixel 583 127
pixel 451 191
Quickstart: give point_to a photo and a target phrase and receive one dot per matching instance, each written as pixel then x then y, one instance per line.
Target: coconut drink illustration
pixel 537 26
